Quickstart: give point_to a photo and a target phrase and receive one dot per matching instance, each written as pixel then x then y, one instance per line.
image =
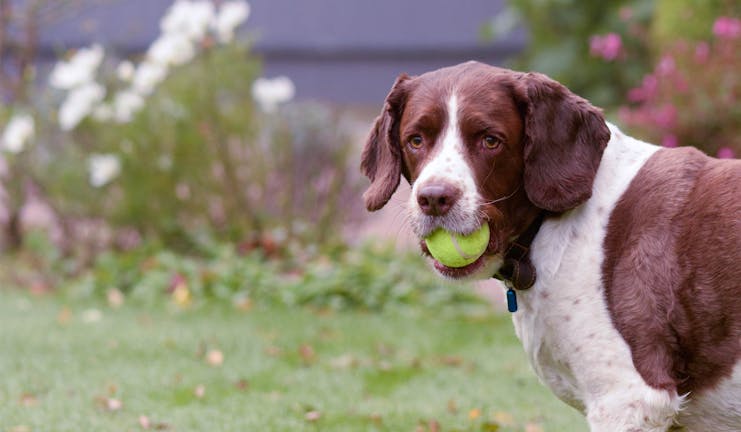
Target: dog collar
pixel 517 271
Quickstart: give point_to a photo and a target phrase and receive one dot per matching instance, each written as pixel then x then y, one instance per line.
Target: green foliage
pixel 560 32
pixel 369 277
pixel 691 20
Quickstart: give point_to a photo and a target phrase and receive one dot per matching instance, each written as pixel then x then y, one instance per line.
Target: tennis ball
pixel 456 250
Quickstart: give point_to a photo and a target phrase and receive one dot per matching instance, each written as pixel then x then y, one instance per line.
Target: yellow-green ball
pixel 455 250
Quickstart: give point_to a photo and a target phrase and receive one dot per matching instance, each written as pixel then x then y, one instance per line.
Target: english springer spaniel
pixel 625 257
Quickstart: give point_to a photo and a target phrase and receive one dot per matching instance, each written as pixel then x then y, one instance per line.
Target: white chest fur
pixel 563 321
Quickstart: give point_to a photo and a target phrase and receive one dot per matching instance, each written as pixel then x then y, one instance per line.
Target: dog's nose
pixel 437 199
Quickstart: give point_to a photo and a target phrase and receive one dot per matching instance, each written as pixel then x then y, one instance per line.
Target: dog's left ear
pixel 564 139
pixel 381 159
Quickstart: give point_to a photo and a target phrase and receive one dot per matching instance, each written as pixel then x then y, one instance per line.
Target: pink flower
pixel 702 52
pixel 725 153
pixel 666 116
pixel 666 65
pixel 670 141
pixel 607 47
pixel 727 28
pixel 645 91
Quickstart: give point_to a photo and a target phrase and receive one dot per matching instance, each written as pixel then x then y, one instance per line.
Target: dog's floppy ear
pixel 381 158
pixel 564 139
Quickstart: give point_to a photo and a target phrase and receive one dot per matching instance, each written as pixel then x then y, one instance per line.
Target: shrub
pixel 188 143
pixel 579 43
pixel 692 95
pixel 372 277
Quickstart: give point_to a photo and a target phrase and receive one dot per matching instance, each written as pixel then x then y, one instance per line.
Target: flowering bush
pixel 172 146
pixel 579 43
pixel 692 95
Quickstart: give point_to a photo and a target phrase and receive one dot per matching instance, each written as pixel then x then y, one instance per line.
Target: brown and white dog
pixel 635 315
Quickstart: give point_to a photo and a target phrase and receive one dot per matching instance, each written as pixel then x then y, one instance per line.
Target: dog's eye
pixel 416 141
pixel 491 142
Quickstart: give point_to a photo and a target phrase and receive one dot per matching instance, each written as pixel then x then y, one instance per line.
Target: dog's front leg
pixel 651 411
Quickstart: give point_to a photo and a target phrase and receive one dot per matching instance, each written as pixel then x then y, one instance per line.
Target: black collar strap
pixel 517 270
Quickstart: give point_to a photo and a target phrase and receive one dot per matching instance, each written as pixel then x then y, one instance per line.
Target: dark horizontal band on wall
pixel 345 54
pixel 387 54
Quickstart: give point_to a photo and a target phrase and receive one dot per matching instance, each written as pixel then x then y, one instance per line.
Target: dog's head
pixel 480 144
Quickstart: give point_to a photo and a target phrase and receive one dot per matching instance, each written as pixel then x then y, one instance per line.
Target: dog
pixel 624 257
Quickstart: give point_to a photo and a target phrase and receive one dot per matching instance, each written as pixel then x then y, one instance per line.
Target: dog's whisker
pixel 502 198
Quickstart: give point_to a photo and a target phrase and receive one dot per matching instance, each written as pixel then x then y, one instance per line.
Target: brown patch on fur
pixel 672 269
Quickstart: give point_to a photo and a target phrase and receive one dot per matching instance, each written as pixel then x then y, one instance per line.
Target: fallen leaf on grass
pixel 215 358
pixel 64 316
pixel 376 419
pixel 108 404
pixel 28 400
pixel 344 361
pixel 243 304
pixel 114 404
pixel 452 407
pixel 242 384
pixel 533 427
pixel 428 426
pixel 115 298
pixel 385 365
pixel 504 418
pixel 307 353
pixel 474 414
pixel 180 292
pixel 91 316
pixel 454 361
pixel 313 416
pixel 147 424
pixel 20 428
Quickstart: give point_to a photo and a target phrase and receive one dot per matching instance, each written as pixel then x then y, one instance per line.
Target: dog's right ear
pixel 381 158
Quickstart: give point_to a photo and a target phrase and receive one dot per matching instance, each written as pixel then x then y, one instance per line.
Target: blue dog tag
pixel 511 300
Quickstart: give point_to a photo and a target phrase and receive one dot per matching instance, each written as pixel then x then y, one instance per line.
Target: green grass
pixel 361 372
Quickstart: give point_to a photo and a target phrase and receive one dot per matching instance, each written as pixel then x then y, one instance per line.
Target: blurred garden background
pixel 183 243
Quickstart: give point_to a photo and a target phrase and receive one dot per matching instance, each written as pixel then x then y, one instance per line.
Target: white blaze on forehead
pixel 449 165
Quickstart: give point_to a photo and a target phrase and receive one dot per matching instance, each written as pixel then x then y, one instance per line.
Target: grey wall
pixel 334 50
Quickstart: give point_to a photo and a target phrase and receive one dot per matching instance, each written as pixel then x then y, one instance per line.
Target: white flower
pixel 190 18
pixel 79 103
pixel 103 112
pixel 103 168
pixel 125 71
pixel 17 132
pixel 78 70
pixel 125 104
pixel 231 15
pixel 171 49
pixel 147 76
pixel 269 93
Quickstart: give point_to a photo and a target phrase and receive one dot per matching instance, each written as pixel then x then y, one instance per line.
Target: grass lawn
pixel 66 368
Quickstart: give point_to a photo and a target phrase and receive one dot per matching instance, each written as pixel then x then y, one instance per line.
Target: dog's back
pixel 672 274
